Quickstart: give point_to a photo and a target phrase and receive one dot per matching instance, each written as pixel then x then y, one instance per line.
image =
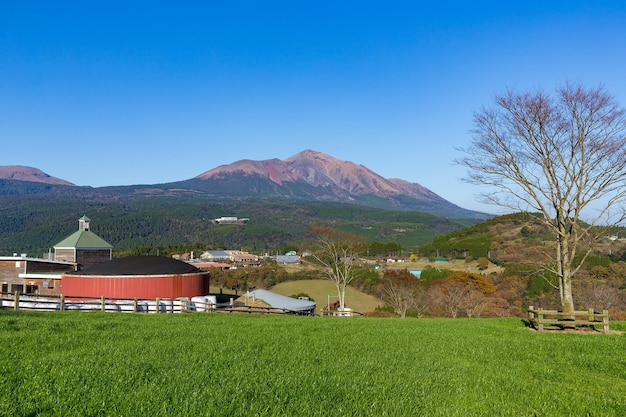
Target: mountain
pixel 23 173
pixel 308 176
pixel 281 198
pixel 320 177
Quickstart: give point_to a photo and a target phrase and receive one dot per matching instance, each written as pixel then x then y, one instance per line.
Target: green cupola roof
pixel 83 238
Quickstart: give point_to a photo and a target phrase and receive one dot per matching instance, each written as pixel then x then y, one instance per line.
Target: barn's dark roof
pixel 140 265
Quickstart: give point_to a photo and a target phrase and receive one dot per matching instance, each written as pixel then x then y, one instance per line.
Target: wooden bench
pixel 540 317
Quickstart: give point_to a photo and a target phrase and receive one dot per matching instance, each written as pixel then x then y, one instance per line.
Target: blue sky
pixel 118 93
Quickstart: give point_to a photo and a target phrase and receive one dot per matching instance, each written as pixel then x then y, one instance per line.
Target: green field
pixel 218 364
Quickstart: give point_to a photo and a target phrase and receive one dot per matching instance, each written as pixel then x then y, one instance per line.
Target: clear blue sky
pixel 117 93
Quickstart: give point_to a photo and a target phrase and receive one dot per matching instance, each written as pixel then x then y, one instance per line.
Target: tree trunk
pixel 564 264
pixel 567 301
pixel 342 298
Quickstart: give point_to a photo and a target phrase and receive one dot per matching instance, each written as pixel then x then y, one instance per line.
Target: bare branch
pixel 562 156
pixel 339 253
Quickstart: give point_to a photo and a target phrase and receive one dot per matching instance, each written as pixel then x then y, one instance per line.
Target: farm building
pixel 287 259
pixel 230 220
pixel 28 275
pixel 83 247
pixel 20 273
pixel 143 277
pixel 241 256
pixel 228 255
pixel 215 255
pixel 283 302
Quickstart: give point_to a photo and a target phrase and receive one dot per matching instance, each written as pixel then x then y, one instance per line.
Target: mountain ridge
pixel 306 176
pixel 323 177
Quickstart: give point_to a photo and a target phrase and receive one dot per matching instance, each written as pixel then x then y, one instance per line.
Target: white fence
pixel 159 305
pixel 204 303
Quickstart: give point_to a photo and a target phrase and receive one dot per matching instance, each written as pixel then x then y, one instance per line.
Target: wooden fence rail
pixel 541 317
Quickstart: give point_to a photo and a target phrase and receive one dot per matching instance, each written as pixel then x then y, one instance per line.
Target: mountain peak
pixel 312 154
pixel 24 173
pixel 315 175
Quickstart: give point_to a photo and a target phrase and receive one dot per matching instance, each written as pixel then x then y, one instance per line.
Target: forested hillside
pixel 523 248
pixel 33 224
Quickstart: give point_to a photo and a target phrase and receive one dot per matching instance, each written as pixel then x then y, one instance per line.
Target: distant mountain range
pixel 306 176
pixel 22 173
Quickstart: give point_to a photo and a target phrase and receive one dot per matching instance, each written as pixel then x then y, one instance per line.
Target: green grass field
pixel 214 364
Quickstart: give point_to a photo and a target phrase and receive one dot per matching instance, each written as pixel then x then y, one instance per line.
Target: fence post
pixel 103 303
pixel 16 300
pixel 62 303
pixel 540 319
pixel 158 305
pixel 135 305
pixel 591 317
pixel 605 321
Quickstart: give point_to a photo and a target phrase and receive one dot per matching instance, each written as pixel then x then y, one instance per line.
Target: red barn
pixel 143 277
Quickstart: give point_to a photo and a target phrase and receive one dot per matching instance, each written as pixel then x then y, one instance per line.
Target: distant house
pixel 230 220
pixel 83 247
pixel 241 256
pixel 207 265
pixel 215 255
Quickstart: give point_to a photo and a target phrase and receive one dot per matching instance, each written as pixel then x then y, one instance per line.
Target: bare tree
pixel 403 291
pixel 602 286
pixel 339 252
pixel 449 296
pixel 563 157
pixel 474 302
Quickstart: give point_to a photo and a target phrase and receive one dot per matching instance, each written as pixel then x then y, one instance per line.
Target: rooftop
pixel 83 239
pixel 141 265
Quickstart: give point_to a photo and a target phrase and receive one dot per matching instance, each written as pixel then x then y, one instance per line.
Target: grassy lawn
pixel 213 364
